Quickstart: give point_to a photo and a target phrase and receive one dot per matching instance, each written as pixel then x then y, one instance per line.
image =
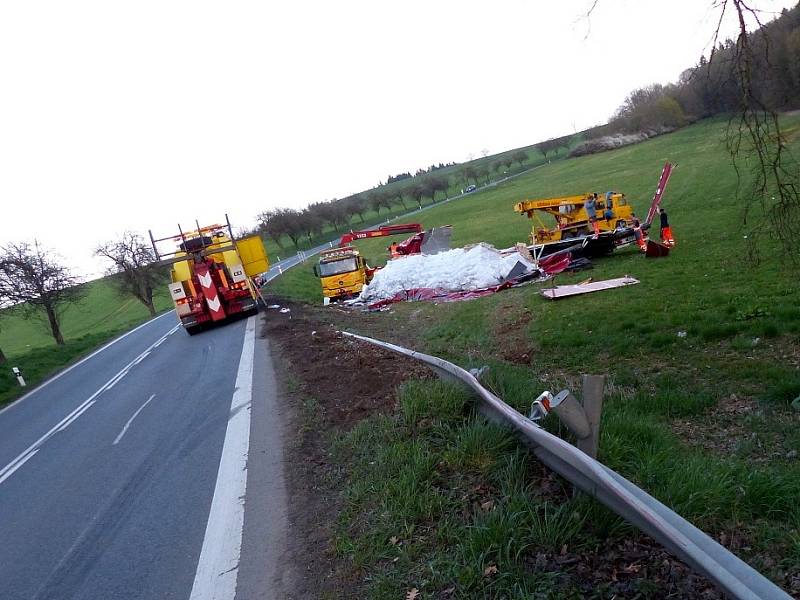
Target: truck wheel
pixel 193 329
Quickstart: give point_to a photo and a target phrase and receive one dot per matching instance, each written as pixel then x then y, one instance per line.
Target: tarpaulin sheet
pixel 438 294
pixel 547 267
pixel 555 263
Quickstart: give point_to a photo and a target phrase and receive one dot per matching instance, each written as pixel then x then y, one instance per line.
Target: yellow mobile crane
pixel 571 223
pixel 614 223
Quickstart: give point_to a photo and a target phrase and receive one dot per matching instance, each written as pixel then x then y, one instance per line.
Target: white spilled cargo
pixel 460 269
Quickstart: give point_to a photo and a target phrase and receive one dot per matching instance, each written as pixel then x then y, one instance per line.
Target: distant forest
pixel 713 86
pixel 407 175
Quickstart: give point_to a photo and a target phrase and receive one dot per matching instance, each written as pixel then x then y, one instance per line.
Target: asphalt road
pixel 139 472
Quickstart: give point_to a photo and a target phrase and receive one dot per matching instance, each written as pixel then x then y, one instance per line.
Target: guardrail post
pixel 592 405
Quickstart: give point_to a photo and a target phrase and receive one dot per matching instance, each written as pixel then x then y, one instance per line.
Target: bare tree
pixel 547 146
pixel 273 223
pixel 416 191
pixel 754 136
pixel 133 269
pixel 356 205
pixel 470 172
pixel 34 281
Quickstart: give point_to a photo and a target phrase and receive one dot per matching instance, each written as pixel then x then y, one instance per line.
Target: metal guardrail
pixel 731 574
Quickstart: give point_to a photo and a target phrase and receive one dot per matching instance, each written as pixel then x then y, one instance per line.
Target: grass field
pixel 702 360
pixel 101 315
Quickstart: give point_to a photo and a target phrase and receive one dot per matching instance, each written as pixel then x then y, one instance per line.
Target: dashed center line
pixel 29 452
pixel 128 424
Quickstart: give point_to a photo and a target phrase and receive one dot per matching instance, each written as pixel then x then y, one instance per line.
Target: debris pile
pixel 460 269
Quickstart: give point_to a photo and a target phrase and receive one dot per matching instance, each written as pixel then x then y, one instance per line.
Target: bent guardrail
pixel 731 574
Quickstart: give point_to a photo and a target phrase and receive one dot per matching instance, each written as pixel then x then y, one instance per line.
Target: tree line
pixel 299 225
pixel 407 175
pixel 35 283
pixel 338 214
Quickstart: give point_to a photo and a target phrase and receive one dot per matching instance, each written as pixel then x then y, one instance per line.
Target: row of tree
pixel 298 225
pixel 36 284
pixel 420 172
pixel 337 214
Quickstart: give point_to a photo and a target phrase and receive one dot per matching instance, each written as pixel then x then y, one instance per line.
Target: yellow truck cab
pixel 343 273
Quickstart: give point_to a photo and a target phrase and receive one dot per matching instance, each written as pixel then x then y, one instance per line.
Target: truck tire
pixel 193 329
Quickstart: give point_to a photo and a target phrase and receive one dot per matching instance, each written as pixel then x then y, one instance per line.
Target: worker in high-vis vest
pixel 637 232
pixel 666 230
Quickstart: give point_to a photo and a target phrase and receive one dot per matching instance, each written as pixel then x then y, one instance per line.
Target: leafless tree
pixel 520 156
pixel 547 146
pixel 754 137
pixel 34 281
pixel 133 269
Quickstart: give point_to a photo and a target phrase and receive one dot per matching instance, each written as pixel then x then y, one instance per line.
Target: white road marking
pixel 76 415
pixel 218 567
pixel 17 466
pixel 80 362
pixel 6 471
pixel 128 424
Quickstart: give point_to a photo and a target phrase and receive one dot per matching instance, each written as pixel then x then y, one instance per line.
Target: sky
pixel 120 116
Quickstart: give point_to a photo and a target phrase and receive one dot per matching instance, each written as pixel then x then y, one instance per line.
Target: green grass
pixel 669 421
pixel 100 316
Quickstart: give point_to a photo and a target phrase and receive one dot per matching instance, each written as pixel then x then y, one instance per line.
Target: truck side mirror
pixel 316 270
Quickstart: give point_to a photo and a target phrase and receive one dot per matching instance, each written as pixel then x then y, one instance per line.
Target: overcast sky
pixel 140 115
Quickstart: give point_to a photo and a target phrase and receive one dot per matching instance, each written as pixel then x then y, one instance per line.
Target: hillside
pixel 702 360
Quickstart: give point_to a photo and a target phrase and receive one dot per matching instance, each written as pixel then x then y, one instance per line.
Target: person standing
pixel 637 232
pixel 666 230
pixel 591 211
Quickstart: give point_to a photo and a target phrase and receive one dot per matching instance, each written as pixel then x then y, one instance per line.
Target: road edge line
pixel 218 566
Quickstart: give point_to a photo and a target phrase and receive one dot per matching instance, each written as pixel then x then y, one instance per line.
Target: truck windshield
pixel 336 267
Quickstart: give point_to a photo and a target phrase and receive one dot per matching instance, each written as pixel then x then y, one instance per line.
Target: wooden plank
pixel 562 291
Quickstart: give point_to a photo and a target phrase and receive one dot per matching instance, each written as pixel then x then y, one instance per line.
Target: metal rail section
pixel 731 574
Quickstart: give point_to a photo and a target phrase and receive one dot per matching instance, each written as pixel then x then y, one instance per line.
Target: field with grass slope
pixel 101 315
pixel 702 360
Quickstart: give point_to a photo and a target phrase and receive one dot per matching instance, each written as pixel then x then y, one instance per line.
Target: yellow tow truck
pixel 212 274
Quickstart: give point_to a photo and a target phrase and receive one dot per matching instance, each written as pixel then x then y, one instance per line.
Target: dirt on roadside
pixel 330 382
